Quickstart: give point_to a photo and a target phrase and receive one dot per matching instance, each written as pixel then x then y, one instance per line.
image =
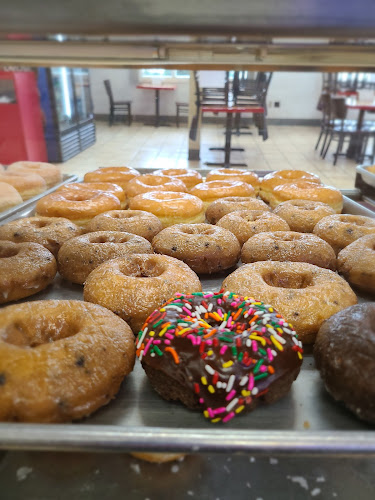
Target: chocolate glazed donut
pixel 345 356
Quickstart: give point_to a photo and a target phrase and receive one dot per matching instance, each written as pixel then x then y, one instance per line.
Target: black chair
pixel 117 108
pixel 181 106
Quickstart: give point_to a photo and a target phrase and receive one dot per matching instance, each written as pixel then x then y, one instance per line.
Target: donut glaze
pixel 234 174
pixel 220 352
pixel 151 182
pixel 344 353
pixel 189 177
pixel 274 179
pixel 210 191
pixel 304 294
pixel 116 175
pixel 60 360
pixel 89 187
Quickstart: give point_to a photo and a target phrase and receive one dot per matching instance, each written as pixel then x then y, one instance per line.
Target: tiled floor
pixel 288 147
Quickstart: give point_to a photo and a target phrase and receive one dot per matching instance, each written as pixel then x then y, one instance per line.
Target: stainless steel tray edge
pixel 18 209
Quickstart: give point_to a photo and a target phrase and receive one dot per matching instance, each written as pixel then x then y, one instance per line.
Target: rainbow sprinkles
pixel 227 349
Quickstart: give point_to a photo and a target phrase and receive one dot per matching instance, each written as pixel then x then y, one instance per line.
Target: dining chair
pixel 119 108
pixel 181 107
pixel 340 129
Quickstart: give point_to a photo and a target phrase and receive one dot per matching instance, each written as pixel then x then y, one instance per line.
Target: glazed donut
pixel 25 269
pixel 79 208
pixel 245 223
pixel 339 230
pixel 170 207
pixel 210 191
pixel 9 196
pixel 274 179
pixel 225 206
pixel 344 354
pixel 234 174
pixel 189 177
pixel 223 366
pixel 50 173
pixel 89 187
pixel 205 248
pixel 303 215
pixel 115 175
pixel 60 360
pixel 289 246
pixel 138 222
pixel 28 185
pixel 150 182
pixel 304 294
pixel 135 285
pixel 304 190
pixel 82 254
pixel 356 262
pixel 51 232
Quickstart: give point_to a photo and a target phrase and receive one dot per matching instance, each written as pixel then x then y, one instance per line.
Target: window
pixel 164 74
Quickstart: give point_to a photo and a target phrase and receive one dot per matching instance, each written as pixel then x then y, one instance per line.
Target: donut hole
pixel 110 238
pixel 122 215
pixel 40 223
pixel 79 196
pixel 286 280
pixel 148 269
pixel 6 252
pixel 287 237
pixel 25 335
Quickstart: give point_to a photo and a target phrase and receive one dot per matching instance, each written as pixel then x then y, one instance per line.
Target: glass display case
pixel 67 106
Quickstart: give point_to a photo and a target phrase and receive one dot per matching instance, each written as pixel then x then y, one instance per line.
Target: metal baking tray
pixel 306 421
pixel 30 203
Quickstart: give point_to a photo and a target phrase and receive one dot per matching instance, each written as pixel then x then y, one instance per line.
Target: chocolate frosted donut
pixel 345 356
pixel 220 352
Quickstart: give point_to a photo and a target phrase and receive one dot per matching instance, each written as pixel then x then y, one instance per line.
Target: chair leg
pixel 129 115
pixel 111 116
pixel 177 116
pixel 319 138
pixel 339 147
pixel 324 152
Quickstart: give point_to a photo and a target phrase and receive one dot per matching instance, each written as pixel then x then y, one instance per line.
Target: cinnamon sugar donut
pixel 356 262
pixel 9 196
pixel 87 187
pixel 304 294
pixel 170 207
pixel 205 248
pixel 60 360
pixel 210 191
pixel 306 190
pixel 234 174
pixel 289 246
pixel 79 208
pixel 50 173
pixel 28 185
pixel 25 269
pixel 136 285
pixel 51 232
pixel 138 222
pixel 303 215
pixel 189 177
pixel 225 206
pixel 115 175
pixel 274 179
pixel 245 223
pixel 80 255
pixel 150 182
pixel 340 230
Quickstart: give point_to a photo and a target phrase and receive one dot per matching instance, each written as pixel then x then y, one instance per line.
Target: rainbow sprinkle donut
pixel 220 352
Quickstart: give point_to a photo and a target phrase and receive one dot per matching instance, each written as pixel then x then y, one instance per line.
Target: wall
pixel 298 93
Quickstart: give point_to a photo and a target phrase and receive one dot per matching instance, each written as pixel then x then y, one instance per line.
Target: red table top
pixel 353 103
pixel 150 86
pixel 233 109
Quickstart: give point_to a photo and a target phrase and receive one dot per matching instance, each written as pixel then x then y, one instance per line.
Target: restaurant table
pixel 355 144
pixel 230 111
pixel 157 89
